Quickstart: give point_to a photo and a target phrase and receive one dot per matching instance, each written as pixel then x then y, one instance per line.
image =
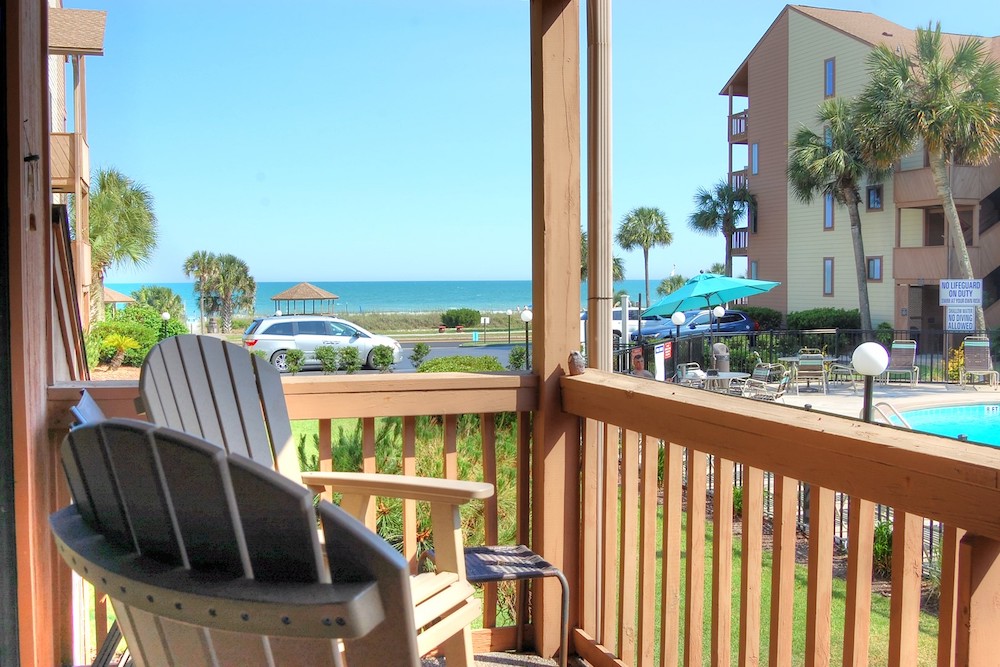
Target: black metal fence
pixel 936 349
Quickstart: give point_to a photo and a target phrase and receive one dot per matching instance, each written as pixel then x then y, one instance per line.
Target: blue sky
pixel 336 140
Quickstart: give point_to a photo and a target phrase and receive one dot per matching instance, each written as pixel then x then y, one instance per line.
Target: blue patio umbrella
pixel 707 290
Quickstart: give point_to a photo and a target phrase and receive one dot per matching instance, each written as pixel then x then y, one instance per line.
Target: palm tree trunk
pixel 227 314
pixel 939 170
pixel 645 262
pixel 727 233
pixel 861 271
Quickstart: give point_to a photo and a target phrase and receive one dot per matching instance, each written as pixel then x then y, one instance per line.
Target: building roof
pixel 111 296
pixel 303 292
pixel 863 26
pixel 76 31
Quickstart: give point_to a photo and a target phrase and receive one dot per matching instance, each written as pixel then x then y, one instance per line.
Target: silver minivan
pixel 274 336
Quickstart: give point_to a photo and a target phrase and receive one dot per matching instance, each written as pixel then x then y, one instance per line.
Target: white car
pixel 276 335
pixel 617 328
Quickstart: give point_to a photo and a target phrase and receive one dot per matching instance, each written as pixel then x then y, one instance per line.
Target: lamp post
pixel 526 318
pixel 869 359
pixel 678 319
pixel 165 316
pixel 509 313
pixel 718 312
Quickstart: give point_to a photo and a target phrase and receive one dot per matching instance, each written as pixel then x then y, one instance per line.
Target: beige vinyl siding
pixel 914 160
pixel 911 228
pixel 810 44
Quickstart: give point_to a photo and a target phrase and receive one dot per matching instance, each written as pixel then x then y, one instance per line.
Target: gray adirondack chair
pixel 218 391
pixel 212 559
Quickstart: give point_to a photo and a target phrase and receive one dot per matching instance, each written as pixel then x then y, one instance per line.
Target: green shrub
pixel 768 319
pixel 825 318
pixel 294 359
pixel 143 335
pixel 882 549
pixel 260 354
pixel 885 334
pixel 241 323
pixel 382 358
pixel 420 352
pixel 350 360
pixel 461 364
pixel 92 345
pixel 460 317
pixel 329 358
pixel 955 362
pixel 738 502
pixel 150 318
pixel 118 345
pixel 518 358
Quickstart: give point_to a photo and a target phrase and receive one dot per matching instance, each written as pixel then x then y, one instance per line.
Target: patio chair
pixel 691 375
pixel 220 392
pixel 210 558
pixel 843 372
pixel 768 382
pixel 760 375
pixel 902 361
pixel 810 367
pixel 978 362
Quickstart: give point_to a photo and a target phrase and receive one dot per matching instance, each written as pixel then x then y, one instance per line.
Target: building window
pixel 828 276
pixel 829 77
pixel 752 217
pixel 753 269
pixel 754 156
pixel 874 198
pixel 874 269
pixel 828 212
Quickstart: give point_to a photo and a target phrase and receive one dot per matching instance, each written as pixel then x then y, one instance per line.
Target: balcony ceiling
pixel 77 32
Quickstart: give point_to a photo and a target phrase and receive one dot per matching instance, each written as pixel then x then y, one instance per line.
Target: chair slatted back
pixel 902 355
pixel 211 558
pixel 216 390
pixel 977 354
pixel 761 372
pixel 810 365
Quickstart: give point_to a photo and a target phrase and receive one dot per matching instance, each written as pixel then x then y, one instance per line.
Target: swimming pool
pixel 979 422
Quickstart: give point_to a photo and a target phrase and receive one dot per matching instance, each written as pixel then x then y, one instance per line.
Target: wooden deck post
pixel 978 604
pixel 555 156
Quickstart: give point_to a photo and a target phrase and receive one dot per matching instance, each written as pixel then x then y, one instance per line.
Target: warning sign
pixel 961 293
pixel 960 318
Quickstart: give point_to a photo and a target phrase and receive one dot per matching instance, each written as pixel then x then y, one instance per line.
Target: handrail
pixel 894 413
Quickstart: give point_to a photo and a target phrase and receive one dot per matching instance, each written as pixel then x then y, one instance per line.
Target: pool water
pixel 980 423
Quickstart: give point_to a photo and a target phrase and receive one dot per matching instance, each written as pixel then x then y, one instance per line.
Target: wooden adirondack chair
pixel 218 391
pixel 212 559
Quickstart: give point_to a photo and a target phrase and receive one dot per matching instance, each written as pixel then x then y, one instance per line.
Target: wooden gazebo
pixel 296 298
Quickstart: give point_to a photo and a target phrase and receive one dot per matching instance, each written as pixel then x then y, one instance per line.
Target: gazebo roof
pixel 303 292
pixel 111 296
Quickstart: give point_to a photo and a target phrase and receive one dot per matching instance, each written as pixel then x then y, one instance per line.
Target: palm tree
pixel 949 103
pixel 644 227
pixel 233 285
pixel 834 165
pixel 162 300
pixel 718 210
pixel 671 284
pixel 202 265
pixel 617 263
pixel 122 227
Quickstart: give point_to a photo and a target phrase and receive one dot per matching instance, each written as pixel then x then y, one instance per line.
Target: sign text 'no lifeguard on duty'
pixel 961 293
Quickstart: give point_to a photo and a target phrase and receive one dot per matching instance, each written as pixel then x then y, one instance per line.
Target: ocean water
pixel 398 296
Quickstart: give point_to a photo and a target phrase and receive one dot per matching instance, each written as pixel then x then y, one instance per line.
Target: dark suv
pixel 698 322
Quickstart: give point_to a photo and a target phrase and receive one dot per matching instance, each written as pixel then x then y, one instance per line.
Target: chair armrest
pixel 430 489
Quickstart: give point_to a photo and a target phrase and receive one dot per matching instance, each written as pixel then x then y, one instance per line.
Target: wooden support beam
pixel 555 262
pixel 979 610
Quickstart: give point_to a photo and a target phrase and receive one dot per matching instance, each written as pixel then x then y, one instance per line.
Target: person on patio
pixel 639 365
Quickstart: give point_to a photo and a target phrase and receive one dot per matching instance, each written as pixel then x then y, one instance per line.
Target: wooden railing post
pixel 978 600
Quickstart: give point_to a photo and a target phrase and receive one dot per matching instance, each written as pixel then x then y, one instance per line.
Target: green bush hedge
pixel 461 364
pixel 145 336
pixel 460 317
pixel 769 319
pixel 825 318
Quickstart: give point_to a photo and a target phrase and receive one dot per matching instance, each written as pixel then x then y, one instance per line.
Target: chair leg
pixel 458 649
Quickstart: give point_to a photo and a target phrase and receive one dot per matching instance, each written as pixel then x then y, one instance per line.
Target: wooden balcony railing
pixel 646 548
pixel 741 242
pixel 64 162
pixel 738 179
pixel 738 128
pixel 659 470
pixel 442 398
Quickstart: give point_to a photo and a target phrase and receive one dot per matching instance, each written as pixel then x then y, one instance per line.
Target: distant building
pixel 807 55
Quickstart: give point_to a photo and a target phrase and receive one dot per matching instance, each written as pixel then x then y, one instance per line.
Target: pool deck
pixel 840 399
